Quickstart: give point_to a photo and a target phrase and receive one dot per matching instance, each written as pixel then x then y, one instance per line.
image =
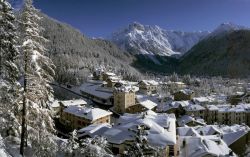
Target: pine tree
pixel 38 73
pixel 140 146
pixel 95 147
pixel 72 146
pixel 9 86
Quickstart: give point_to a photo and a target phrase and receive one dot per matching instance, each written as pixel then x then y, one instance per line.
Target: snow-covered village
pixel 141 92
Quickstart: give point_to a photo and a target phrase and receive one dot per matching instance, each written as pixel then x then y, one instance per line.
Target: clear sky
pixel 98 18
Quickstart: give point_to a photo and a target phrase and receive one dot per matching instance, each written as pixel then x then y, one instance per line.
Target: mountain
pixel 76 55
pixel 152 41
pixel 225 54
pixel 225 28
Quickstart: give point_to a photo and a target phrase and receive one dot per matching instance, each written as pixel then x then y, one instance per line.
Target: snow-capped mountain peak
pixel 227 27
pixel 153 40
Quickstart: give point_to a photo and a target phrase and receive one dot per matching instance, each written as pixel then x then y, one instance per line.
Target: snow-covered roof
pixel 231 108
pixel 230 134
pixel 161 129
pixel 203 99
pixel 194 107
pixel 94 129
pixel 114 78
pixel 182 121
pixel 87 112
pixel 67 103
pixel 212 107
pixel 94 90
pixel 148 104
pixel 187 91
pixel 233 133
pixel 127 88
pixel 110 74
pixel 203 146
pixel 55 104
pixel 173 104
pixel 149 82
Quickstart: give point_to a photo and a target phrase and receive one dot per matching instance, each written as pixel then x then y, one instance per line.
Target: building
pixel 195 111
pixel 111 81
pixel 148 86
pixel 184 94
pixel 97 93
pixel 160 132
pixel 66 103
pixel 189 121
pixel 124 99
pixel 231 115
pixel 233 136
pixel 191 146
pixel 211 114
pixel 77 117
pixel 107 75
pixel 98 74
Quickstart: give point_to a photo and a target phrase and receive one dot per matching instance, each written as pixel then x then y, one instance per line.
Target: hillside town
pixel 179 124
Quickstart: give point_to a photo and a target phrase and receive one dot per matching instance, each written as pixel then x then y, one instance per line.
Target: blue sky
pixel 98 18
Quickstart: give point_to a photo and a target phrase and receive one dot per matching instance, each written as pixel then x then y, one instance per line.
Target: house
pixel 231 115
pixel 197 111
pixel 211 114
pixel 107 75
pixel 98 74
pixel 124 99
pixel 76 117
pixel 176 107
pixel 189 121
pixel 184 94
pixel 236 98
pixel 233 136
pixel 97 93
pixel 66 103
pixel 204 146
pixel 148 86
pixel 160 132
pixel 111 81
pixel 55 106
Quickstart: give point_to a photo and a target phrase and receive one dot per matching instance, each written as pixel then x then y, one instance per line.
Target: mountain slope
pixel 227 54
pixel 76 55
pixel 153 41
pixel 226 28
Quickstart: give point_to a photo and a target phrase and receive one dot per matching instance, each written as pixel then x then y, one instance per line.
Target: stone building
pixel 185 94
pixel 148 86
pixel 124 98
pixel 77 117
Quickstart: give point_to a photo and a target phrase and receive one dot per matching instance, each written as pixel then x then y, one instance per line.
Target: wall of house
pixel 211 116
pixel 239 146
pixel 147 89
pixel 76 122
pixel 196 113
pixel 179 96
pixel 123 100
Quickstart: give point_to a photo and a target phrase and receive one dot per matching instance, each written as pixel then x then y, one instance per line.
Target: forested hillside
pixel 227 55
pixel 75 55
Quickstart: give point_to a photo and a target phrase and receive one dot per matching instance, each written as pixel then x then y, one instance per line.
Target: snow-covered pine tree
pixel 38 73
pixel 71 148
pixel 9 86
pixel 140 146
pixel 95 147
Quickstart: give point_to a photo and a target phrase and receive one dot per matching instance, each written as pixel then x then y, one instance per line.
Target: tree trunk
pixel 24 126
